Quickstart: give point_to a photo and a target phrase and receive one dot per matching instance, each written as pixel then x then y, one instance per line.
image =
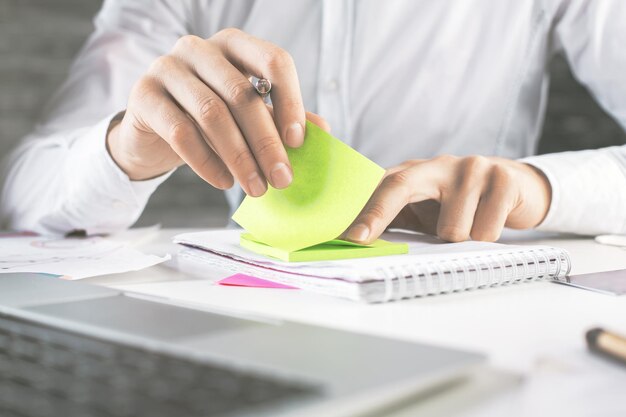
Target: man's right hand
pixel 197 106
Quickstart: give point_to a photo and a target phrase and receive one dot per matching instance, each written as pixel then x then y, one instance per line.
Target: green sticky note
pixel 327 251
pixel 332 182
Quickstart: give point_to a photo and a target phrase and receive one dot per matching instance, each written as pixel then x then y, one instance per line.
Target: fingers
pixel 247 110
pixel 479 203
pixel 174 126
pixel 216 122
pixel 489 220
pixel 456 216
pixel 266 60
pixel 475 200
pixel 458 198
pixel 392 195
pixel 494 207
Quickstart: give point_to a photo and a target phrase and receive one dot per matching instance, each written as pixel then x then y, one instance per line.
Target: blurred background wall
pixel 38 39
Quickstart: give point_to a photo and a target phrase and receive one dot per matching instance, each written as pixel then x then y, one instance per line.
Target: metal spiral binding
pixel 454 276
pixel 515 274
pixel 534 276
pixel 466 267
pixel 491 273
pixel 419 280
pixel 388 275
pixel 399 273
pixel 427 280
pixel 439 278
pixel 546 263
pixel 558 269
pixel 527 275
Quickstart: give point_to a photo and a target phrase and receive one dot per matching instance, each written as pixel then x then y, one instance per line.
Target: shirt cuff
pixel 101 198
pixel 586 196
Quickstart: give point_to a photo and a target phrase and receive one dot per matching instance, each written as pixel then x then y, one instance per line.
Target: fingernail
pixel 256 186
pixel 281 175
pixel 295 135
pixel 359 233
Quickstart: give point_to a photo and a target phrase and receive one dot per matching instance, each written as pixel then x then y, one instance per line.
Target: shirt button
pixel 332 85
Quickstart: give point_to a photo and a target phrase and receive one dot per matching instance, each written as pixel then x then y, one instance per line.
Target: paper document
pixel 72 258
pixel 332 182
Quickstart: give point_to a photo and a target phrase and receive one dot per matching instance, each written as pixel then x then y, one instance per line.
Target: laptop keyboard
pixel 45 371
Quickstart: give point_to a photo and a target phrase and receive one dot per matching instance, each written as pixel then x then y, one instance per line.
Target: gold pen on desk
pixel 607 343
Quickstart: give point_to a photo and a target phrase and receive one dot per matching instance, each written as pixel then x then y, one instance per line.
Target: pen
pixel 607 343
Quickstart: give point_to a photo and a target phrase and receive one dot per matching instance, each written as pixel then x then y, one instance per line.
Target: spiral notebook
pixel 431 267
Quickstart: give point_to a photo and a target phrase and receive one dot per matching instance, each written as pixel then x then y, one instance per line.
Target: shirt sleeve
pixel 588 191
pixel 61 177
pixel 589 187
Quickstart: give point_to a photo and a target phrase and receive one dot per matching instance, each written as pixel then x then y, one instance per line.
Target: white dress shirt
pixel 397 80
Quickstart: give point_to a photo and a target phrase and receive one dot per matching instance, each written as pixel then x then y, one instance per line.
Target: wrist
pixel 114 149
pixel 542 194
pixel 130 162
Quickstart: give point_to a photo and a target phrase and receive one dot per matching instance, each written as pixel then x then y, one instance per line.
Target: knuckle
pixel 179 135
pixel 375 212
pixel 143 88
pixel 472 172
pixel 500 185
pixel 474 163
pixel 446 159
pixel 501 175
pixel 242 157
pixel 210 110
pixel 267 145
pixel 238 92
pixel 452 233
pixel 277 59
pixel 400 182
pixel 397 179
pixel 187 42
pixel 227 33
pixel 412 162
pixel 163 64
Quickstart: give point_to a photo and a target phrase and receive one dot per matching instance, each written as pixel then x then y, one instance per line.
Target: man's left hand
pixel 455 198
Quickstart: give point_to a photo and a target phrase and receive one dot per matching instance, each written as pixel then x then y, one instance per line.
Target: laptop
pixel 75 349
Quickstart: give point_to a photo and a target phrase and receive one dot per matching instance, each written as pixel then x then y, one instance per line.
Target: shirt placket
pixel 333 77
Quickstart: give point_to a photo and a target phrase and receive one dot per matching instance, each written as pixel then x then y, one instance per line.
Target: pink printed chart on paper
pixel 70 258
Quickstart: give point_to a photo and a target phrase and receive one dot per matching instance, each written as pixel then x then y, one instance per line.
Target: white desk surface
pixel 518 327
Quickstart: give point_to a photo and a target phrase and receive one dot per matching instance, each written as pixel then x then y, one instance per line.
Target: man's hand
pixel 197 106
pixel 456 199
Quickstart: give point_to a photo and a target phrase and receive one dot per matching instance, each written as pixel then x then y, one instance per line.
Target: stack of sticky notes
pixel 332 183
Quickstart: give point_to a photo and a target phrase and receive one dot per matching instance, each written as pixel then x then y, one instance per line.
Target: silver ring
pixel 263 86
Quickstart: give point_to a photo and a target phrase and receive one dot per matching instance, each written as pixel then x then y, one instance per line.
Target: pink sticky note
pixel 243 280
